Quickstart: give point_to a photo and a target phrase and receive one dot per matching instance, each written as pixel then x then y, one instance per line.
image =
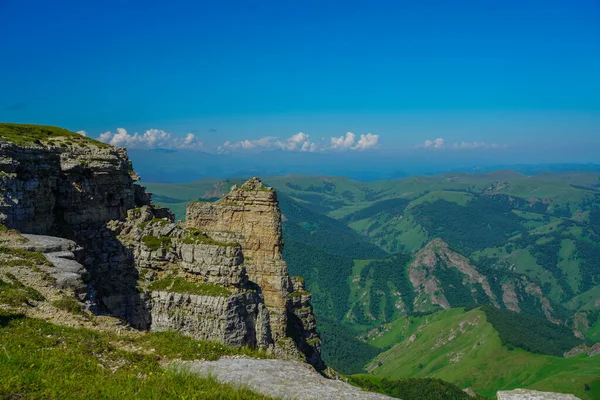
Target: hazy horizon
pixel 375 85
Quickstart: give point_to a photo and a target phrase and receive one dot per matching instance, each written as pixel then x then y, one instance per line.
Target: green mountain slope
pixel 466 349
pixel 524 243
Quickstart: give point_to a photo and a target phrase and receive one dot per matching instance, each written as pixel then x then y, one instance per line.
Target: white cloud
pixel 367 141
pixel 82 133
pixel 435 144
pixel 440 143
pixel 476 145
pixel 348 142
pixel 302 142
pixel 298 142
pixel 151 139
pixel 343 142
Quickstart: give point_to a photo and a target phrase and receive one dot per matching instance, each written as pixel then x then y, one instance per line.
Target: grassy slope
pixel 463 348
pixel 42 360
pixel 26 134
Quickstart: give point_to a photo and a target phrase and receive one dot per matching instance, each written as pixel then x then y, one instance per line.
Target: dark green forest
pixel 534 334
pixel 411 388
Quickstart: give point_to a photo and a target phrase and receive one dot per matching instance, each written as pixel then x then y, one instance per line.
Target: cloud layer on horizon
pixel 151 139
pixel 440 143
pixel 299 142
pixel 302 142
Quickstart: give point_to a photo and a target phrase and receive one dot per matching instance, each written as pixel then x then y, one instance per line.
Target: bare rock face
pixel 428 261
pixel 47 188
pixel 218 276
pixel 523 394
pixel 250 215
pixel 237 320
pixel 437 264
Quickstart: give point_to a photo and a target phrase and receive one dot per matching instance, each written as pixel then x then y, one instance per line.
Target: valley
pixel 378 254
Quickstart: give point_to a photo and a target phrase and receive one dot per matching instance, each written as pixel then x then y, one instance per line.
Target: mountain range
pixel 382 258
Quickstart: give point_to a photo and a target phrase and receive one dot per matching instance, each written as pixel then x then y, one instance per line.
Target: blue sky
pixel 510 76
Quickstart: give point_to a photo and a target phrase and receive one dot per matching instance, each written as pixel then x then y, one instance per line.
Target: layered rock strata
pixel 48 188
pixel 217 276
pixel 249 214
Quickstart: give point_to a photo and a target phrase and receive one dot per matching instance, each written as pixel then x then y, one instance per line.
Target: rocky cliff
pixel 249 215
pixel 54 180
pixel 444 278
pixel 217 276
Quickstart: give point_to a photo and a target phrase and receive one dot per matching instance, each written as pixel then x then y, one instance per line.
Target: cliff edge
pixel 217 276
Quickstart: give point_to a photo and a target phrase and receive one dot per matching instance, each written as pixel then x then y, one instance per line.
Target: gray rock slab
pixel 48 244
pixel 278 378
pixel 523 394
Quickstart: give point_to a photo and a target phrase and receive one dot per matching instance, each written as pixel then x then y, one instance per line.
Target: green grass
pixel 179 284
pixel 154 221
pixel 155 243
pixel 410 388
pixel 39 360
pixel 21 257
pixel 27 135
pixel 71 305
pixel 174 345
pixel 569 264
pixel 196 236
pixel 14 293
pixel 463 348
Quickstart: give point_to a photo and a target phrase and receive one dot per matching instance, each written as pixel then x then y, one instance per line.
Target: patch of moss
pixel 153 221
pixel 27 135
pixel 196 236
pixel 69 304
pixel 155 243
pixel 21 257
pixel 14 293
pixel 179 284
pixel 299 293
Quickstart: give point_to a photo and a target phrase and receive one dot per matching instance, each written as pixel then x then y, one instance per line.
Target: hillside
pixel 466 349
pixel 523 243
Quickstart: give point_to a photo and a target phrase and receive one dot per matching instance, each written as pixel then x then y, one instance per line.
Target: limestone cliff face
pixel 51 186
pixel 249 214
pixel 218 276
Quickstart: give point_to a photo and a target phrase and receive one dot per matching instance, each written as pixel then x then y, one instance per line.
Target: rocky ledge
pixel 278 378
pixel 219 275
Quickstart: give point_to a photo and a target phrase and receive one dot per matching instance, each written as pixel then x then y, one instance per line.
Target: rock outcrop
pixel 436 259
pixel 249 215
pixel 443 278
pixel 217 276
pixel 64 256
pixel 278 378
pixel 59 186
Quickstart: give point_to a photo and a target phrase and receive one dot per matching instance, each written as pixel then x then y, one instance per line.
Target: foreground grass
pixel 39 360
